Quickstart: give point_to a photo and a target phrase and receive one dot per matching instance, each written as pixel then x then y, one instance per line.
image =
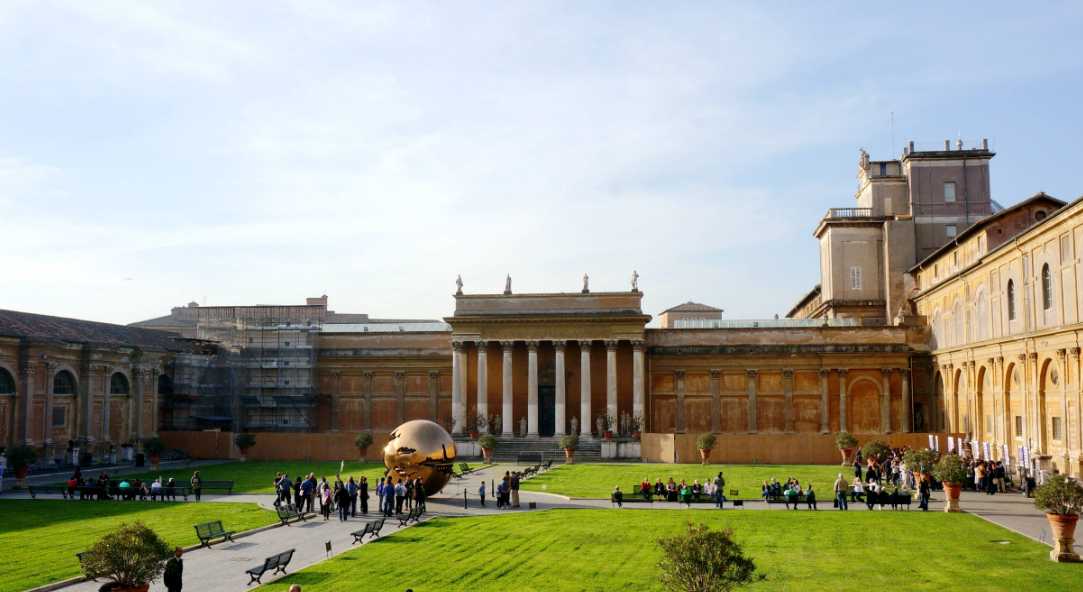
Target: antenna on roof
pixel 893 133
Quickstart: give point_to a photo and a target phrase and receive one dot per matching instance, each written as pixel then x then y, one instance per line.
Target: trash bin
pixel 139 459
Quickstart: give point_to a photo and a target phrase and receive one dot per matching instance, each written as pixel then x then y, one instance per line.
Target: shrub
pixel 950 469
pixel 1060 495
pixel 607 421
pixel 705 560
pixel 876 449
pixel 569 442
pixel 363 440
pixel 636 422
pixel 921 461
pixel 706 441
pixel 487 442
pixel 244 440
pixel 155 446
pixel 130 555
pixel 21 456
pixel 845 440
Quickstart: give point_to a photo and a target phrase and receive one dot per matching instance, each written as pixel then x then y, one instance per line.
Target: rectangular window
pixel 949 192
pixel 287 344
pixel 936 272
pixel 950 230
pixel 955 259
pixel 1056 428
pixel 855 278
pixel 883 169
pixel 1018 426
pixel 1065 249
pixel 58 416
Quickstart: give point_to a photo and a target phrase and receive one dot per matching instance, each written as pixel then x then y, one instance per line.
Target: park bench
pixel 275 563
pixel 464 468
pixel 81 556
pixel 413 516
pixel 221 485
pixel 212 530
pixel 631 498
pixel 372 529
pixel 529 457
pixel 36 490
pixel 547 465
pixel 289 512
pixel 801 499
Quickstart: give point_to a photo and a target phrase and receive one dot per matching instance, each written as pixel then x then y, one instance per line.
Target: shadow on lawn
pixel 17 515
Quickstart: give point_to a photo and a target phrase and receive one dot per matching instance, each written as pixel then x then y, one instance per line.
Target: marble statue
pixel 498 425
pixel 635 281
pixel 600 425
pixel 623 422
pixel 522 427
pixel 459 286
pixel 507 285
pixel 586 284
pixel 575 425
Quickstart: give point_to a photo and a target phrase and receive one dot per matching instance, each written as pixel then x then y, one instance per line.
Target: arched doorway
pixel 1048 379
pixel 937 422
pixel 956 416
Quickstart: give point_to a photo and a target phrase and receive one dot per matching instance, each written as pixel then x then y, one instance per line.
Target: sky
pixel 241 153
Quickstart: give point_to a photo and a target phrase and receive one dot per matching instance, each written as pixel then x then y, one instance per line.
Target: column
pixel 885 401
pixel 1075 351
pixel 787 390
pixel 366 393
pixel 434 395
pixel 25 409
pixel 843 425
pixel 611 379
pixel 483 384
pixel 679 374
pixel 561 391
pixel 400 397
pixel 585 421
pixel 1024 407
pixel 139 377
pixel 47 410
pixel 825 426
pixel 155 373
pixel 716 401
pixel 905 420
pixel 639 397
pixel 532 390
pixel 752 401
pixel 508 423
pixel 107 374
pixel 1065 427
pixel 456 390
pixel 336 392
pixel 82 403
pixel 464 386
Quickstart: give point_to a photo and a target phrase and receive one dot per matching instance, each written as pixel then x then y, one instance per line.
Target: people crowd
pixel 350 497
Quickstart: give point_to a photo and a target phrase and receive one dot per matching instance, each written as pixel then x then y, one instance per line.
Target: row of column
pixel 459 383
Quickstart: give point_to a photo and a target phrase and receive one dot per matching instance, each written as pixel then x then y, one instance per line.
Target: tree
pixel 705 560
pixel 131 555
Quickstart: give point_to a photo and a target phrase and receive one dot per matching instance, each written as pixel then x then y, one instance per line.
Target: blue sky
pixel 262 152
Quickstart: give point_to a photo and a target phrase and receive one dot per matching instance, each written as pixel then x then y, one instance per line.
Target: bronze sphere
pixel 421 448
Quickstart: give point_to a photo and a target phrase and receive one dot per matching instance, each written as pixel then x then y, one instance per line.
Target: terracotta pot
pixel 705 454
pixel 20 472
pixel 139 588
pixel 473 434
pixel 636 434
pixel 487 453
pixel 362 451
pixel 1064 535
pixel 154 460
pixel 608 434
pixel 569 453
pixel 951 492
pixel 244 453
pixel 846 452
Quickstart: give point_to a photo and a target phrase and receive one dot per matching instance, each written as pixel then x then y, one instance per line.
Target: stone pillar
pixel 716 401
pixel 787 389
pixel 336 393
pixel 1024 408
pixel 905 419
pixel 83 404
pixel 155 373
pixel 532 389
pixel 25 409
pixel 400 397
pixel 47 410
pixel 483 383
pixel 107 390
pixel 561 390
pixel 843 425
pixel 434 396
pixel 1075 351
pixel 680 401
pixel 366 393
pixel 885 402
pixel 508 421
pixel 752 401
pixel 611 379
pixel 825 425
pixel 639 368
pixel 139 376
pixel 456 390
pixel 585 421
pixel 464 386
pixel 1065 438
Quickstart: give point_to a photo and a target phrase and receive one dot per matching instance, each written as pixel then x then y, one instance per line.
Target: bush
pixel 607 421
pixel 705 560
pixel 130 555
pixel 636 422
pixel 569 442
pixel 1060 495
pixel 487 442
pixel 845 440
pixel 363 440
pixel 21 456
pixel 876 449
pixel 155 446
pixel 244 440
pixel 706 441
pixel 921 461
pixel 950 469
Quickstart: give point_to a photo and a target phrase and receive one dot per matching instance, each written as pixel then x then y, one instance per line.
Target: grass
pixel 39 538
pixel 259 476
pixel 596 550
pixel 598 480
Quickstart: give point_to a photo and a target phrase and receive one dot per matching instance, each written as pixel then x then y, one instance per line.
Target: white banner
pixel 987 450
pixel 931 445
pixel 951 443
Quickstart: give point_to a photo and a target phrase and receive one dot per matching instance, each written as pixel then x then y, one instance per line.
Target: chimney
pixel 985 144
pixel 947 145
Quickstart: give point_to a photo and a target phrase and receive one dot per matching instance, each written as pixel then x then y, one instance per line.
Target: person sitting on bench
pixel 810 497
pixel 697 489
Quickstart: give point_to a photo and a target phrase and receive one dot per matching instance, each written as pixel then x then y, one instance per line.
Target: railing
pixel 848 213
pixel 952 146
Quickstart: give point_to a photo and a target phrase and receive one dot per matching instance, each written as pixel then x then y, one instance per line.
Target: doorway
pixel 547 411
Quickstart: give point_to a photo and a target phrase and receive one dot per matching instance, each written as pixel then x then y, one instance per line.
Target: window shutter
pixel 855 278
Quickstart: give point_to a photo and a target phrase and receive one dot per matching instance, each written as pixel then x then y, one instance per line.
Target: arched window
pixel 1011 300
pixel 1047 288
pixel 7 383
pixel 63 383
pixel 118 385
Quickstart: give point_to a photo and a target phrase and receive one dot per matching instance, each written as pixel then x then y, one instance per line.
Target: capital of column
pixel 905 372
pixel 787 374
pixel 25 367
pixel 842 372
pixel 434 374
pixel 638 345
pixel 752 373
pixel 51 368
pixel 139 372
pixel 1000 360
pixel 1033 356
pixel 482 345
pixel 1021 357
pixel 716 374
pixel 991 362
pixel 1075 353
pixel 507 346
pixel 400 376
pixel 824 372
pixel 1061 354
pixel 679 374
pixel 532 346
pixel 610 345
pixel 336 376
pixel 367 375
pixel 457 346
pixel 885 372
pixel 586 344
pixel 86 369
pixel 560 345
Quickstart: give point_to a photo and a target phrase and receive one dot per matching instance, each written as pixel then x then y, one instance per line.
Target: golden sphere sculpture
pixel 421 448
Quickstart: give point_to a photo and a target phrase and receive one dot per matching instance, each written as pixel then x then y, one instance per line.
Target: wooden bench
pixel 35 490
pixel 413 516
pixel 372 529
pixel 465 468
pixel 220 485
pixel 289 512
pixel 212 530
pixel 275 563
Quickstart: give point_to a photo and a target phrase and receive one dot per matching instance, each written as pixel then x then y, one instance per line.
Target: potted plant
pixel 472 423
pixel 875 450
pixel 846 442
pixel 1061 498
pixel 132 556
pixel 362 442
pixel 569 443
pixel 488 444
pixel 244 441
pixel 705 442
pixel 155 447
pixel 607 424
pixel 921 462
pixel 636 424
pixel 951 471
pixel 20 459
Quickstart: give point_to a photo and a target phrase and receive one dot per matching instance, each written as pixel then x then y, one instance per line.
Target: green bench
pixel 212 530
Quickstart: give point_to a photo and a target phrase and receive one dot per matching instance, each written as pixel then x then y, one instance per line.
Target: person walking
pixel 419 493
pixel 352 489
pixel 363 494
pixel 923 494
pixel 174 572
pixel 719 490
pixel 840 493
pixel 481 493
pixel 326 498
pixel 515 490
pixel 297 493
pixel 285 488
pixel 388 498
pixel 197 484
pixel 342 500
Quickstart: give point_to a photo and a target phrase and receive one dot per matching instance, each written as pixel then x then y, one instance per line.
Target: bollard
pixel 465 506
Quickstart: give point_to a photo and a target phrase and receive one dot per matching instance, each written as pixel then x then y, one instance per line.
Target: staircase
pixel 590 449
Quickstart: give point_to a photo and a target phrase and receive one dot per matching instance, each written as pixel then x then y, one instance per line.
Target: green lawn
pixel 598 480
pixel 604 550
pixel 39 538
pixel 259 477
